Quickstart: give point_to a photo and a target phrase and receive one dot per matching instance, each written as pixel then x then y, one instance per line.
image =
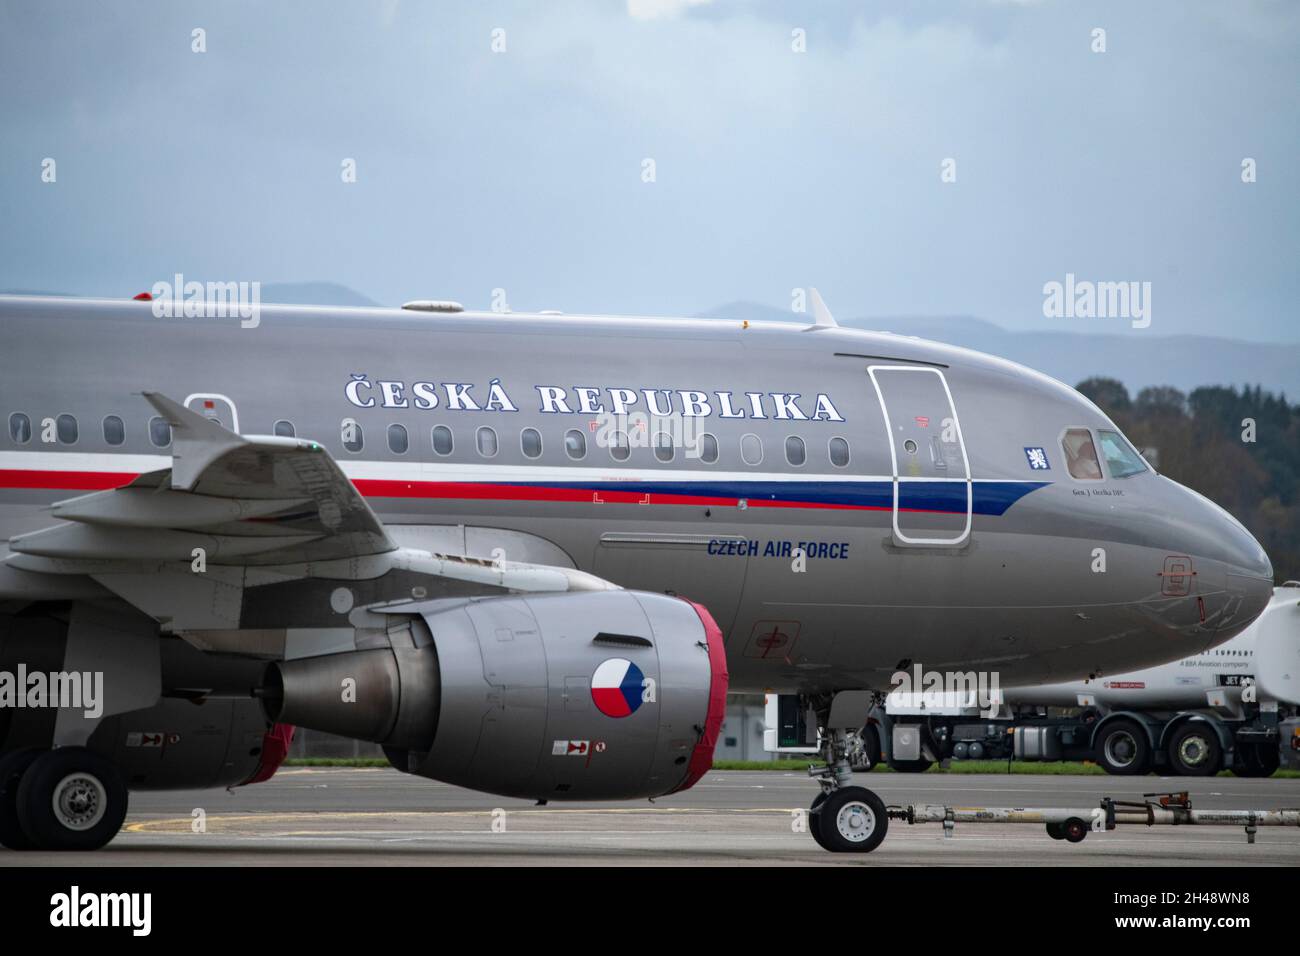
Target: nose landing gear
pixel 843 818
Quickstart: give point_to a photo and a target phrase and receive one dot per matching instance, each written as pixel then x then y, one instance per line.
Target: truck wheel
pixel 867 754
pixel 1269 758
pixel 911 766
pixel 1194 751
pixel 1123 749
pixel 1256 760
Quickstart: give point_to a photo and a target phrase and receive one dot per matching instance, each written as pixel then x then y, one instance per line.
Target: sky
pixel 505 146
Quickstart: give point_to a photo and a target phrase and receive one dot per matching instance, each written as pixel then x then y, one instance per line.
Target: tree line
pixel 1239 448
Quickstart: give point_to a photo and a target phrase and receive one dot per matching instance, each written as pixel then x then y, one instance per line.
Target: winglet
pixel 822 318
pixel 196 441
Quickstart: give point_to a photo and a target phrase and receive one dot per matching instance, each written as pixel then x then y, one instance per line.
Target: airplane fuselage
pixel 874 500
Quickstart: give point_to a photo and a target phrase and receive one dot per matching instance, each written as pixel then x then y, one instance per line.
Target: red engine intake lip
pixel 275 748
pixel 701 760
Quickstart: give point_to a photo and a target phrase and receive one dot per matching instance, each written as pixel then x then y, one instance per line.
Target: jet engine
pixel 597 695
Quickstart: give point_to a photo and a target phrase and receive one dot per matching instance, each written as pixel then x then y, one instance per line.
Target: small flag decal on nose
pixel 616 687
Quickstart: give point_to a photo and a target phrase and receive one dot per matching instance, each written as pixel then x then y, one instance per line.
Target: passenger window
pixel 664 446
pixel 575 444
pixel 114 430
pixel 487 442
pixel 795 452
pixel 442 440
pixel 1081 455
pixel 398 441
pixel 160 433
pixel 530 443
pixel 751 449
pixel 839 450
pixel 66 428
pixel 708 446
pixel 619 449
pixel 20 428
pixel 1121 459
pixel 353 438
pixel 284 429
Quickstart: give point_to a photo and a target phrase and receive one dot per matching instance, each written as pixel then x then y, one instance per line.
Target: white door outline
pixel 234 413
pixel 899 536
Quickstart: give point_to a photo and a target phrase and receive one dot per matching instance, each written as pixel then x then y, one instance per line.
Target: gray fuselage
pixel 953 536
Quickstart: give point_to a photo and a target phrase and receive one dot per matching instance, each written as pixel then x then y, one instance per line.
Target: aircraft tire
pixel 851 820
pixel 71 799
pixel 814 820
pixel 13 765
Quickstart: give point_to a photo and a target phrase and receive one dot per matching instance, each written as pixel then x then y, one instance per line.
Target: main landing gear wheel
pixel 1195 751
pixel 1123 749
pixel 12 767
pixel 71 799
pixel 849 820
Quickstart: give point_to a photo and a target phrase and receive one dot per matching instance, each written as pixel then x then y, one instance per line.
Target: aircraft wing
pixel 238 520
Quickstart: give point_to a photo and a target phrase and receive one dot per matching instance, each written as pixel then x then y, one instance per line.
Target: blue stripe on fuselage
pixel 991 498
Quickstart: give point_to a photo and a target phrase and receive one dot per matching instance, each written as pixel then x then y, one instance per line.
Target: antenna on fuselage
pixel 822 318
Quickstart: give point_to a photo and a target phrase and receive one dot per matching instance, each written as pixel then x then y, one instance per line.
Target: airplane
pixel 529 554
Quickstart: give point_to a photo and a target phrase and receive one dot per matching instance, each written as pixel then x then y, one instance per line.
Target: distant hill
pixel 1138 360
pixel 284 293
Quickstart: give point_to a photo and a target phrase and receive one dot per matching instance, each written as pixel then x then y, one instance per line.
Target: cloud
pixel 659 9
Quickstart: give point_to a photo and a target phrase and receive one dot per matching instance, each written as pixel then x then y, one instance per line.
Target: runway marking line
pixel 142 826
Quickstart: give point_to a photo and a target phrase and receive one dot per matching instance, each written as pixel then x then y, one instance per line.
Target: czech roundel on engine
pixel 616 687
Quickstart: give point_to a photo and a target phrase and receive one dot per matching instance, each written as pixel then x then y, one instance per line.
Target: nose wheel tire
pixel 849 820
pixel 71 799
pixel 1195 751
pixel 1123 749
pixel 12 767
pixel 815 821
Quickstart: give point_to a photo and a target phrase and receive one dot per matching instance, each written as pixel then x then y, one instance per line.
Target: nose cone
pixel 1249 575
pixel 1246 569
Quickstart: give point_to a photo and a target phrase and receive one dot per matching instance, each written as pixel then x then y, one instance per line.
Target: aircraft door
pixel 216 407
pixel 933 493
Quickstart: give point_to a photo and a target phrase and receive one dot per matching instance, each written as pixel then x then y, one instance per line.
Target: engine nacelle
pixel 595 695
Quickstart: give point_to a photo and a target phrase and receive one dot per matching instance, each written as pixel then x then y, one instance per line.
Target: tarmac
pixel 344 816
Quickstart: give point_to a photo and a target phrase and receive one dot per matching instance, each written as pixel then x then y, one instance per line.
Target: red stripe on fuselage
pixel 45 480
pixel 65 480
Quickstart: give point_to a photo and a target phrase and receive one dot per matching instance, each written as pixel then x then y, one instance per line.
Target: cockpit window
pixel 1121 459
pixel 1081 454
